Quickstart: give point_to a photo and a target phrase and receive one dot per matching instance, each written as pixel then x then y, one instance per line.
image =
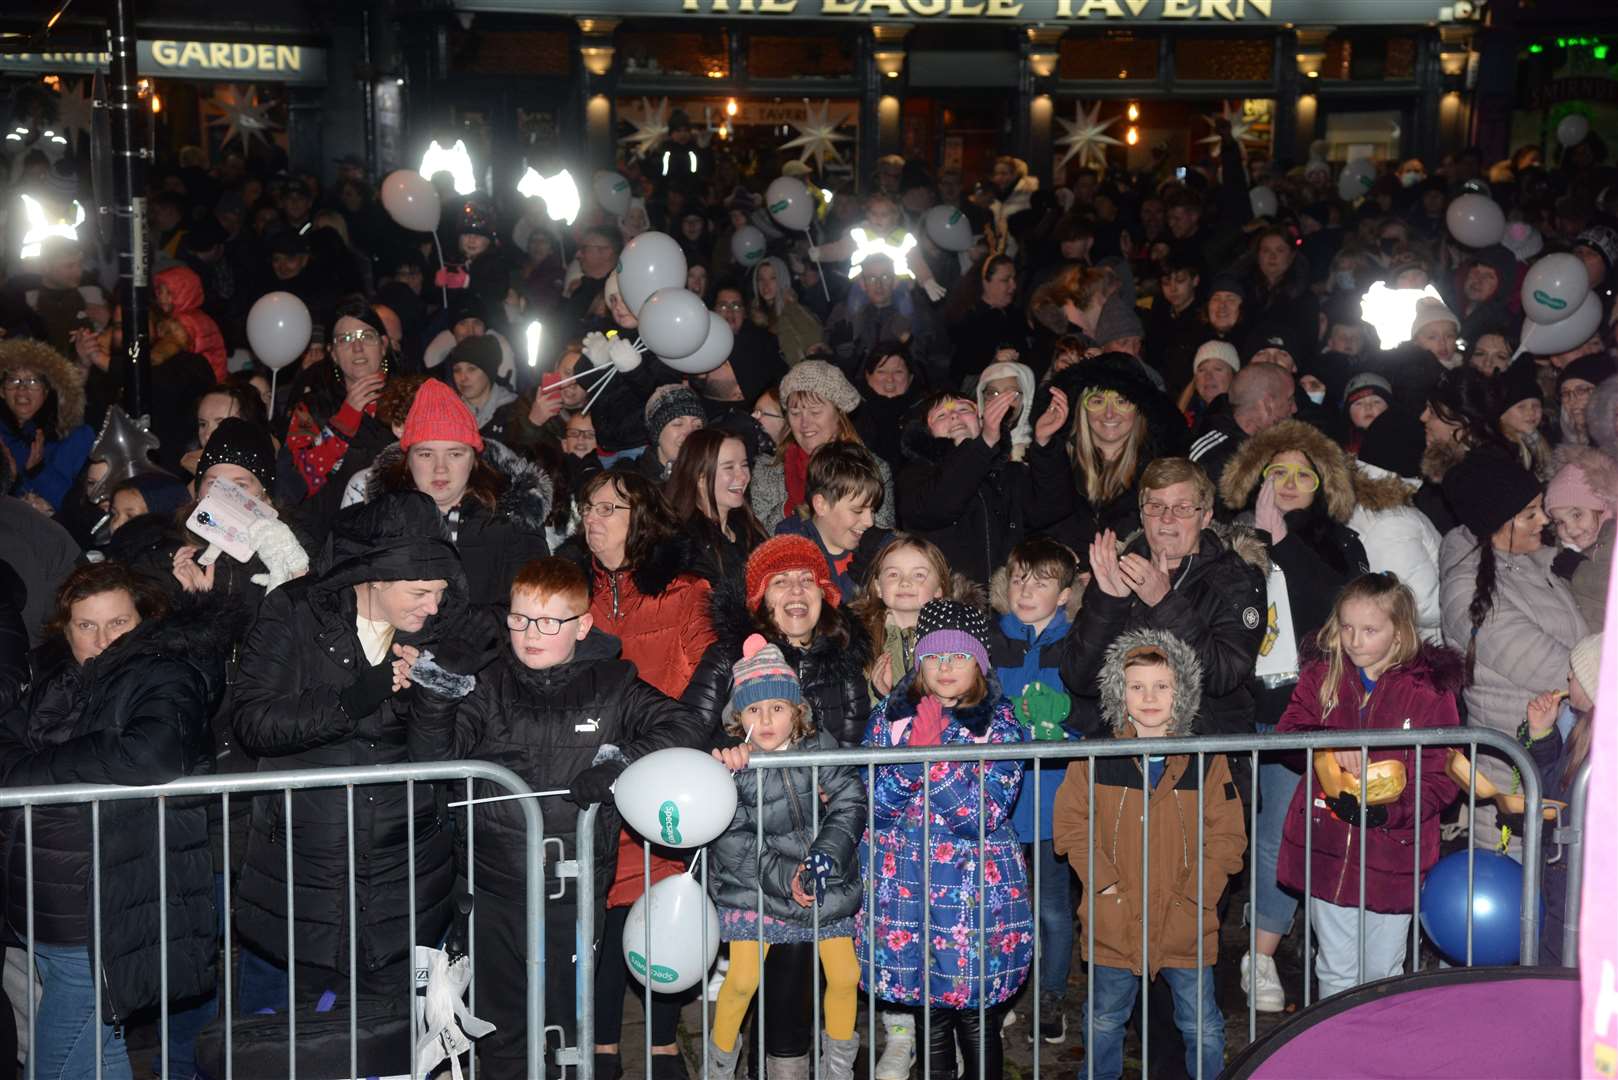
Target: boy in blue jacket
pixel 1037 595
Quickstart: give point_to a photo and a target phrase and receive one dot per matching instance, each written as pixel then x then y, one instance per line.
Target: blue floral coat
pixel 961 953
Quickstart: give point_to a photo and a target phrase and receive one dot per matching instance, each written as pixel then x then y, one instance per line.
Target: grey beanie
pixel 824 381
pixel 667 403
pixel 1118 320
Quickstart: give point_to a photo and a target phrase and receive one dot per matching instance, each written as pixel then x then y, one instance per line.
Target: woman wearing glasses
pixel 1295 485
pixel 1120 422
pixel 334 432
pixel 41 414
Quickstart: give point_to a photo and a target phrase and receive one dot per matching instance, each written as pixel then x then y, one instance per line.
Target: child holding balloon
pixel 803 879
pixel 1370 670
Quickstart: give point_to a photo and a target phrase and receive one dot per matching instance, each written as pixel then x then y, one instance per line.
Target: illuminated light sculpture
pixel 866 246
pixel 650 129
pixel 1391 311
pixel 560 193
pixel 1086 138
pixel 40 228
pixel 817 135
pixel 455 161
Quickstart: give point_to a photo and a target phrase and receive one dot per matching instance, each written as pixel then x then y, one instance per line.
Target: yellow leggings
pixel 741 983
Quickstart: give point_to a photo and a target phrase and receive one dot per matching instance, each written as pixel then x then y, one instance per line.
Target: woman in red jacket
pixel 1370 671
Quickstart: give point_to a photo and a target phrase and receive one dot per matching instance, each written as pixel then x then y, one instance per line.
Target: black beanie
pixel 482 351
pixel 1519 382
pixel 1487 489
pixel 240 442
pixel 1394 441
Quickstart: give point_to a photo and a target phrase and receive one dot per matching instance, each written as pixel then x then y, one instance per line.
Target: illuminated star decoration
pixel 1240 129
pixel 560 193
pixel 245 116
pixel 1086 138
pixel 866 246
pixel 1391 312
pixel 650 129
pixel 817 135
pixel 41 227
pixel 455 161
pixel 74 113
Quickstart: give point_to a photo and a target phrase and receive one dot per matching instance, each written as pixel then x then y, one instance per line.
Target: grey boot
pixel 837 1056
pixel 787 1068
pixel 722 1063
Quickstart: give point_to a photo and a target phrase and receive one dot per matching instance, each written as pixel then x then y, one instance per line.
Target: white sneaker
pixel 718 978
pixel 899 1049
pixel 1267 995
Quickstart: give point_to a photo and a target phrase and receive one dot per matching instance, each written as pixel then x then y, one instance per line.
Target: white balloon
pixel 611 191
pixel 1264 202
pixel 411 200
pixel 679 908
pixel 679 797
pixel 747 245
pixel 650 262
pixel 1572 129
pixel 1475 220
pixel 1558 337
pixel 1554 287
pixel 278 329
pixel 673 322
pixel 714 350
pixel 1356 179
pixel 948 228
pixel 789 202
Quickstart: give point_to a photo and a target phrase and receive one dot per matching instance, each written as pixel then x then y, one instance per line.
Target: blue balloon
pixel 1496 907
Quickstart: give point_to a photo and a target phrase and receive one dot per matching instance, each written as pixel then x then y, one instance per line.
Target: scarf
pixel 796 467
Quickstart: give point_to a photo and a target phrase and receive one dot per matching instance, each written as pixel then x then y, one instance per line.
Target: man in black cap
pixel 474 366
pixel 297 204
pixel 677 162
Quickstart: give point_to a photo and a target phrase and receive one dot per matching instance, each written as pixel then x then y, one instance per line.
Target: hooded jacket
pixel 998 951
pixel 493 544
pixel 1064 511
pixel 795 326
pixel 136 714
pixel 1215 607
pixel 787 808
pixel 1111 830
pixel 1399 540
pixel 301 656
pixel 67 448
pixel 1420 693
pixel 185 307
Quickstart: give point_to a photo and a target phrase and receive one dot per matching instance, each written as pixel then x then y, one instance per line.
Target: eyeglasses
pixel 357 337
pixel 1302 476
pixel 1569 393
pixel 728 305
pixel 580 434
pixel 1097 400
pixel 950 660
pixel 991 394
pixel 603 509
pixel 1183 511
pixel 545 624
pixel 15 382
pixel 878 279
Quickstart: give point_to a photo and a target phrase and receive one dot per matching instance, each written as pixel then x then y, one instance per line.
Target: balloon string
pixel 508 798
pixel 819 270
pixel 273 373
pixel 577 377
pixel 442 288
pixel 602 385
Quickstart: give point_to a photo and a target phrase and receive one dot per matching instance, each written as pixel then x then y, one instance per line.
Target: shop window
pixel 1371 134
pixel 1119 55
pixel 704 54
pixel 1224 59
pixel 1369 57
pixel 776 57
pixel 510 52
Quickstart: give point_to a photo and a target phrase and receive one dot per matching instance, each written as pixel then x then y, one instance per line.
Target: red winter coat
pixel 185 308
pixel 1418 694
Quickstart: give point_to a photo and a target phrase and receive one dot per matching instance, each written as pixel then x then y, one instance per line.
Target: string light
pixel 1132 136
pixel 1134 112
pixel 730 107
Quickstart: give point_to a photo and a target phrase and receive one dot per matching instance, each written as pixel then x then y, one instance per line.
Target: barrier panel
pixel 1569 834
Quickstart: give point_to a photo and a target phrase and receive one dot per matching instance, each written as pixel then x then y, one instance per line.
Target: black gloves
pixel 366 693
pixel 1346 808
pixel 594 785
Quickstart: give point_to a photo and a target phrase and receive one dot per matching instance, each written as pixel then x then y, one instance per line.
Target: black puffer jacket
pixel 494 544
pixel 136 714
pixel 968 499
pixel 301 655
pixel 789 838
pixel 13 637
pixel 1216 606
pixel 547 726
pixel 831 672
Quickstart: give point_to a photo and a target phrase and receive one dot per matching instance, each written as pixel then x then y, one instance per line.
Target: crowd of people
pixel 1134 465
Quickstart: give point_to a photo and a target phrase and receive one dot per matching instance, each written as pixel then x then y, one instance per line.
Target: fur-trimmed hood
pixel 668 560
pixel 525 500
pixel 732 623
pixel 1380 491
pixel 1166 431
pixel 1187 679
pixel 65 378
pixel 1000 595
pixel 1244 540
pixel 1245 471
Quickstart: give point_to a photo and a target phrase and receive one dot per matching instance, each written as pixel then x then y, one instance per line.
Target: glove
pixel 278 549
pixel 594 785
pixel 935 291
pixel 823 867
pixel 365 694
pixel 428 674
pixel 1346 808
pixel 813 253
pixel 927 728
pixel 595 349
pixel 623 355
pixel 1042 710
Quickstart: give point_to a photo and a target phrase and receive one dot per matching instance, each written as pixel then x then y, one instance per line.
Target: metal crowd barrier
pixel 1569 834
pixel 285 782
pixel 1250 746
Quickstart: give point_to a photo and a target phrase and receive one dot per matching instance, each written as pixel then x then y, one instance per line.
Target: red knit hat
pixel 780 554
pixel 437 414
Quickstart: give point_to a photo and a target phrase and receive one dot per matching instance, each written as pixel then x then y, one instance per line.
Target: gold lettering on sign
pixel 838 7
pixel 1006 9
pixel 888 7
pixel 193 53
pixel 1108 8
pixel 928 7
pixel 163 52
pixel 1263 7
pixel 961 7
pixel 1217 7
pixel 1179 9
pixel 289 58
pixel 777 7
pixel 219 54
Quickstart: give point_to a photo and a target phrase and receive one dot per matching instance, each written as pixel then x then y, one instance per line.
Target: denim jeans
pixel 1276 907
pixel 1115 990
pixel 67 1033
pixel 1056 910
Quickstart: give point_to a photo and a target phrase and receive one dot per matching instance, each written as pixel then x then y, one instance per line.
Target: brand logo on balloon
pixel 777 207
pixel 668 818
pixel 660 974
pixel 1550 301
